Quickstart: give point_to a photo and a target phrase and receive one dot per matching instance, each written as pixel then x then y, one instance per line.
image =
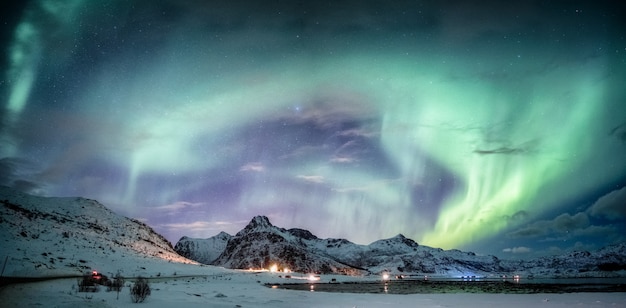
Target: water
pixel 442 285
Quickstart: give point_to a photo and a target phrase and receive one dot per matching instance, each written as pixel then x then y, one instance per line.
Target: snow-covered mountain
pixel 260 245
pixel 68 236
pixel 204 251
pixel 609 261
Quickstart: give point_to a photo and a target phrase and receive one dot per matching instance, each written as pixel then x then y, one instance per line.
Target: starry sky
pixel 496 127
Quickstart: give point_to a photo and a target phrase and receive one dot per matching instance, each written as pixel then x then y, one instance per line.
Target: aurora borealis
pixel 488 126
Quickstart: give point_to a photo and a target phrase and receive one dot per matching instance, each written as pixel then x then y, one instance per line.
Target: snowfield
pixel 237 289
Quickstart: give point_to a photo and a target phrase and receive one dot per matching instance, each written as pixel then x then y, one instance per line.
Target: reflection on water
pixel 522 280
pixel 478 285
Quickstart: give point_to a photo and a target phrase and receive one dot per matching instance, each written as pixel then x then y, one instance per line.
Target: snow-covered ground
pixel 247 290
pixel 189 285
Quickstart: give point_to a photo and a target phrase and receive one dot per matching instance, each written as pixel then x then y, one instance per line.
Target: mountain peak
pixel 223 234
pixel 398 239
pixel 406 241
pixel 256 224
pixel 260 221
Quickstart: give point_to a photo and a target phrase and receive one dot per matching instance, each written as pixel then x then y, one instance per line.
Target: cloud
pixel 520 249
pixel 523 148
pixel 350 152
pixel 607 231
pixel 252 167
pixel 567 247
pixel 566 222
pixel 351 148
pixel 198 225
pixel 501 150
pixel 534 230
pixel 16 173
pixel 357 133
pixel 566 227
pixel 199 229
pixel 611 205
pixel 518 216
pixel 7 170
pixel 194 228
pixel 177 206
pixel 563 223
pixel 342 159
pixel 312 178
pixel 26 186
pixel 346 146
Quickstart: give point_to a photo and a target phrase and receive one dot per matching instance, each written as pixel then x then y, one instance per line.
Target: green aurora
pixel 356 121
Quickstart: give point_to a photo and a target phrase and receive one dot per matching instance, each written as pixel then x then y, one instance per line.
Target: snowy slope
pixel 68 236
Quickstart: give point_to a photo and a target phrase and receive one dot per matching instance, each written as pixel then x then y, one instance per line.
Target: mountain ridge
pixel 261 244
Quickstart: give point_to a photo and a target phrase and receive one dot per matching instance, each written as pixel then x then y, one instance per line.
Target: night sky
pixel 495 127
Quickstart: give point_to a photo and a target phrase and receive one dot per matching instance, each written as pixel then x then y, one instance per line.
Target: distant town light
pixel 313 277
pixel 385 276
pixel 274 268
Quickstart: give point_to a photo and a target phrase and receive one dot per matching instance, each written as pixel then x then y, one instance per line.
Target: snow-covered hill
pixel 68 236
pixel 260 245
